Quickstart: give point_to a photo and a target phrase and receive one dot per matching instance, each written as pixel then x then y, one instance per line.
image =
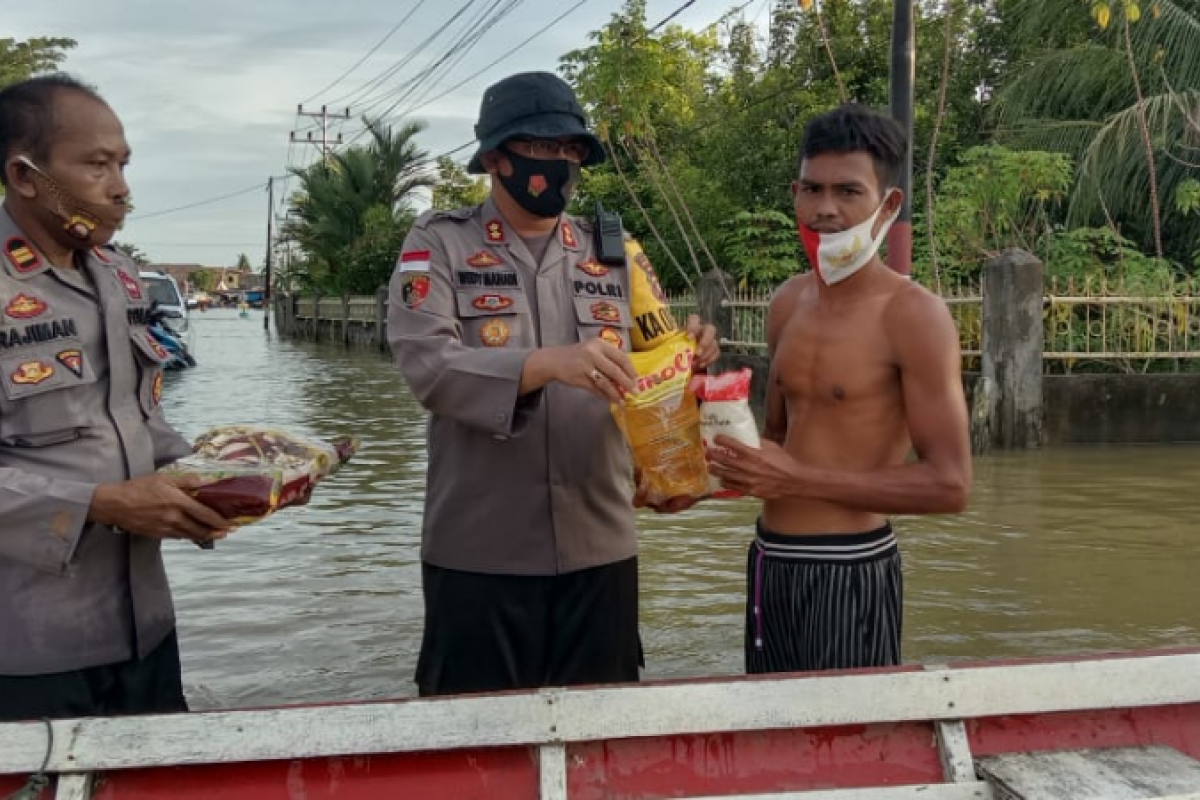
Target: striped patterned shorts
pixel 823 602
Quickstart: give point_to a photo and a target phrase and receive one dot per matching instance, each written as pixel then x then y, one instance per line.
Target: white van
pixel 165 292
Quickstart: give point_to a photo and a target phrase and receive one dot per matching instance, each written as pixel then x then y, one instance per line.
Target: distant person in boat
pixel 865 372
pixel 514 334
pixel 86 619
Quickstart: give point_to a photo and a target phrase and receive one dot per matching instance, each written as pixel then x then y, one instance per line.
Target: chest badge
pixel 613 337
pixel 484 259
pixel 495 333
pixel 21 255
pixel 492 302
pixel 25 306
pixel 592 268
pixel 156 389
pixel 131 286
pixel 494 231
pixel 73 360
pixel 31 373
pixel 605 312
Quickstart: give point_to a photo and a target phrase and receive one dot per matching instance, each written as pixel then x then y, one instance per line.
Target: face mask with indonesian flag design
pixel 837 256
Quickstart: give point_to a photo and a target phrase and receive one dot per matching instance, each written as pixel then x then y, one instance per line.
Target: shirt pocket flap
pixel 43 369
pixel 473 303
pixel 609 311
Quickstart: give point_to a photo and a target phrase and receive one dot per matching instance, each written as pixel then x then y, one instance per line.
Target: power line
pixel 197 204
pixel 359 95
pixel 672 15
pixel 467 39
pixel 511 52
pixel 370 53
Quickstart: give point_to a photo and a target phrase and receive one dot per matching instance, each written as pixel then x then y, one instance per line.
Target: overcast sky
pixel 208 90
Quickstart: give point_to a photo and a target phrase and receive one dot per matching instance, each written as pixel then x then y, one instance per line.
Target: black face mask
pixel 541 187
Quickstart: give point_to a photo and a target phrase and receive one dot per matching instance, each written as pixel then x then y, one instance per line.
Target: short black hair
pixel 27 115
pixel 854 128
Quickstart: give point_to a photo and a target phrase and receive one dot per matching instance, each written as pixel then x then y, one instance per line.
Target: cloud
pixel 208 91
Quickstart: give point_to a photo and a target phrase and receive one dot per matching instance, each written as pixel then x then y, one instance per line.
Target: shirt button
pixel 502 417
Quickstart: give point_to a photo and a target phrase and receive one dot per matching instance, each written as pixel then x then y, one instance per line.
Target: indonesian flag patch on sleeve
pixel 414 261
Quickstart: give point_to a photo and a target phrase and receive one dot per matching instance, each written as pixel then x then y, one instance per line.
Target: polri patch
pixel 414 290
pixel 72 359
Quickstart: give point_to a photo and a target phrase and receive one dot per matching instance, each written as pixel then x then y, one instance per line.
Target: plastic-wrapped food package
pixel 661 422
pixel 246 472
pixel 725 411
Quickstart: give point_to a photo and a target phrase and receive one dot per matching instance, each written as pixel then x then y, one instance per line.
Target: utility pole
pixel 324 115
pixel 902 78
pixel 270 248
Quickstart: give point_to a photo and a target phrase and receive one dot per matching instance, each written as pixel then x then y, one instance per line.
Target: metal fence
pixel 1090 325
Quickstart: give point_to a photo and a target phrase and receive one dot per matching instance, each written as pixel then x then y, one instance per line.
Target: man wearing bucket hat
pixel 513 330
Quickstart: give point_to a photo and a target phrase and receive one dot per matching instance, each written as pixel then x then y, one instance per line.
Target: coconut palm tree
pixel 355 204
pixel 1125 103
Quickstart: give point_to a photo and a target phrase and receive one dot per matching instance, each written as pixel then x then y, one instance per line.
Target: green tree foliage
pixel 24 59
pixel 455 188
pixel 1119 95
pixel 354 209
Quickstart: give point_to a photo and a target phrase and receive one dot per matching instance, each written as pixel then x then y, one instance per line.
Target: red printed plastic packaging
pixel 725 410
pixel 247 472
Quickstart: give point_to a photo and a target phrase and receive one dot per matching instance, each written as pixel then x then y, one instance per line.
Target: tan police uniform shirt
pixel 519 485
pixel 80 386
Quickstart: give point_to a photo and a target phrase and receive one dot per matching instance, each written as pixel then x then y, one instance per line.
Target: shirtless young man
pixel 865 369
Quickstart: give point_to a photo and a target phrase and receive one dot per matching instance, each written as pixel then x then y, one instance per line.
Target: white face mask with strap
pixel 837 256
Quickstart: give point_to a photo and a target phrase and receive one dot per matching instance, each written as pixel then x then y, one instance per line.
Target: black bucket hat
pixel 539 105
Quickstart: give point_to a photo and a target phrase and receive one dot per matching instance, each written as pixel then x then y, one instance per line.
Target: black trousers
pixel 487 633
pixel 152 685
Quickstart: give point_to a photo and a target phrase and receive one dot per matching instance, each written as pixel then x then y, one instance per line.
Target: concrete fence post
pixel 710 297
pixel 1013 342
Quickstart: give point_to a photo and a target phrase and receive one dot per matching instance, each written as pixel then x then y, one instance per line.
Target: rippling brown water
pixel 1062 551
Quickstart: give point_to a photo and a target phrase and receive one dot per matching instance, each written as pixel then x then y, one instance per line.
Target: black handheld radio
pixel 610 237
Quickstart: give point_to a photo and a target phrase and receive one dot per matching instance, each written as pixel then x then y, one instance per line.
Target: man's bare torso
pixel 837 382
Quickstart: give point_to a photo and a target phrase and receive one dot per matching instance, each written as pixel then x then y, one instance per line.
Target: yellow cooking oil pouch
pixel 661 422
pixel 653 322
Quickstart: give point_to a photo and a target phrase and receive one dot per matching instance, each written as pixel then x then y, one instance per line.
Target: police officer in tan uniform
pixel 86 619
pixel 514 334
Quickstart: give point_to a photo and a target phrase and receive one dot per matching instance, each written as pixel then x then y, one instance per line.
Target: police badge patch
pixel 156 389
pixel 492 302
pixel 31 373
pixel 73 360
pixel 25 306
pixel 605 312
pixel 414 289
pixel 494 333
